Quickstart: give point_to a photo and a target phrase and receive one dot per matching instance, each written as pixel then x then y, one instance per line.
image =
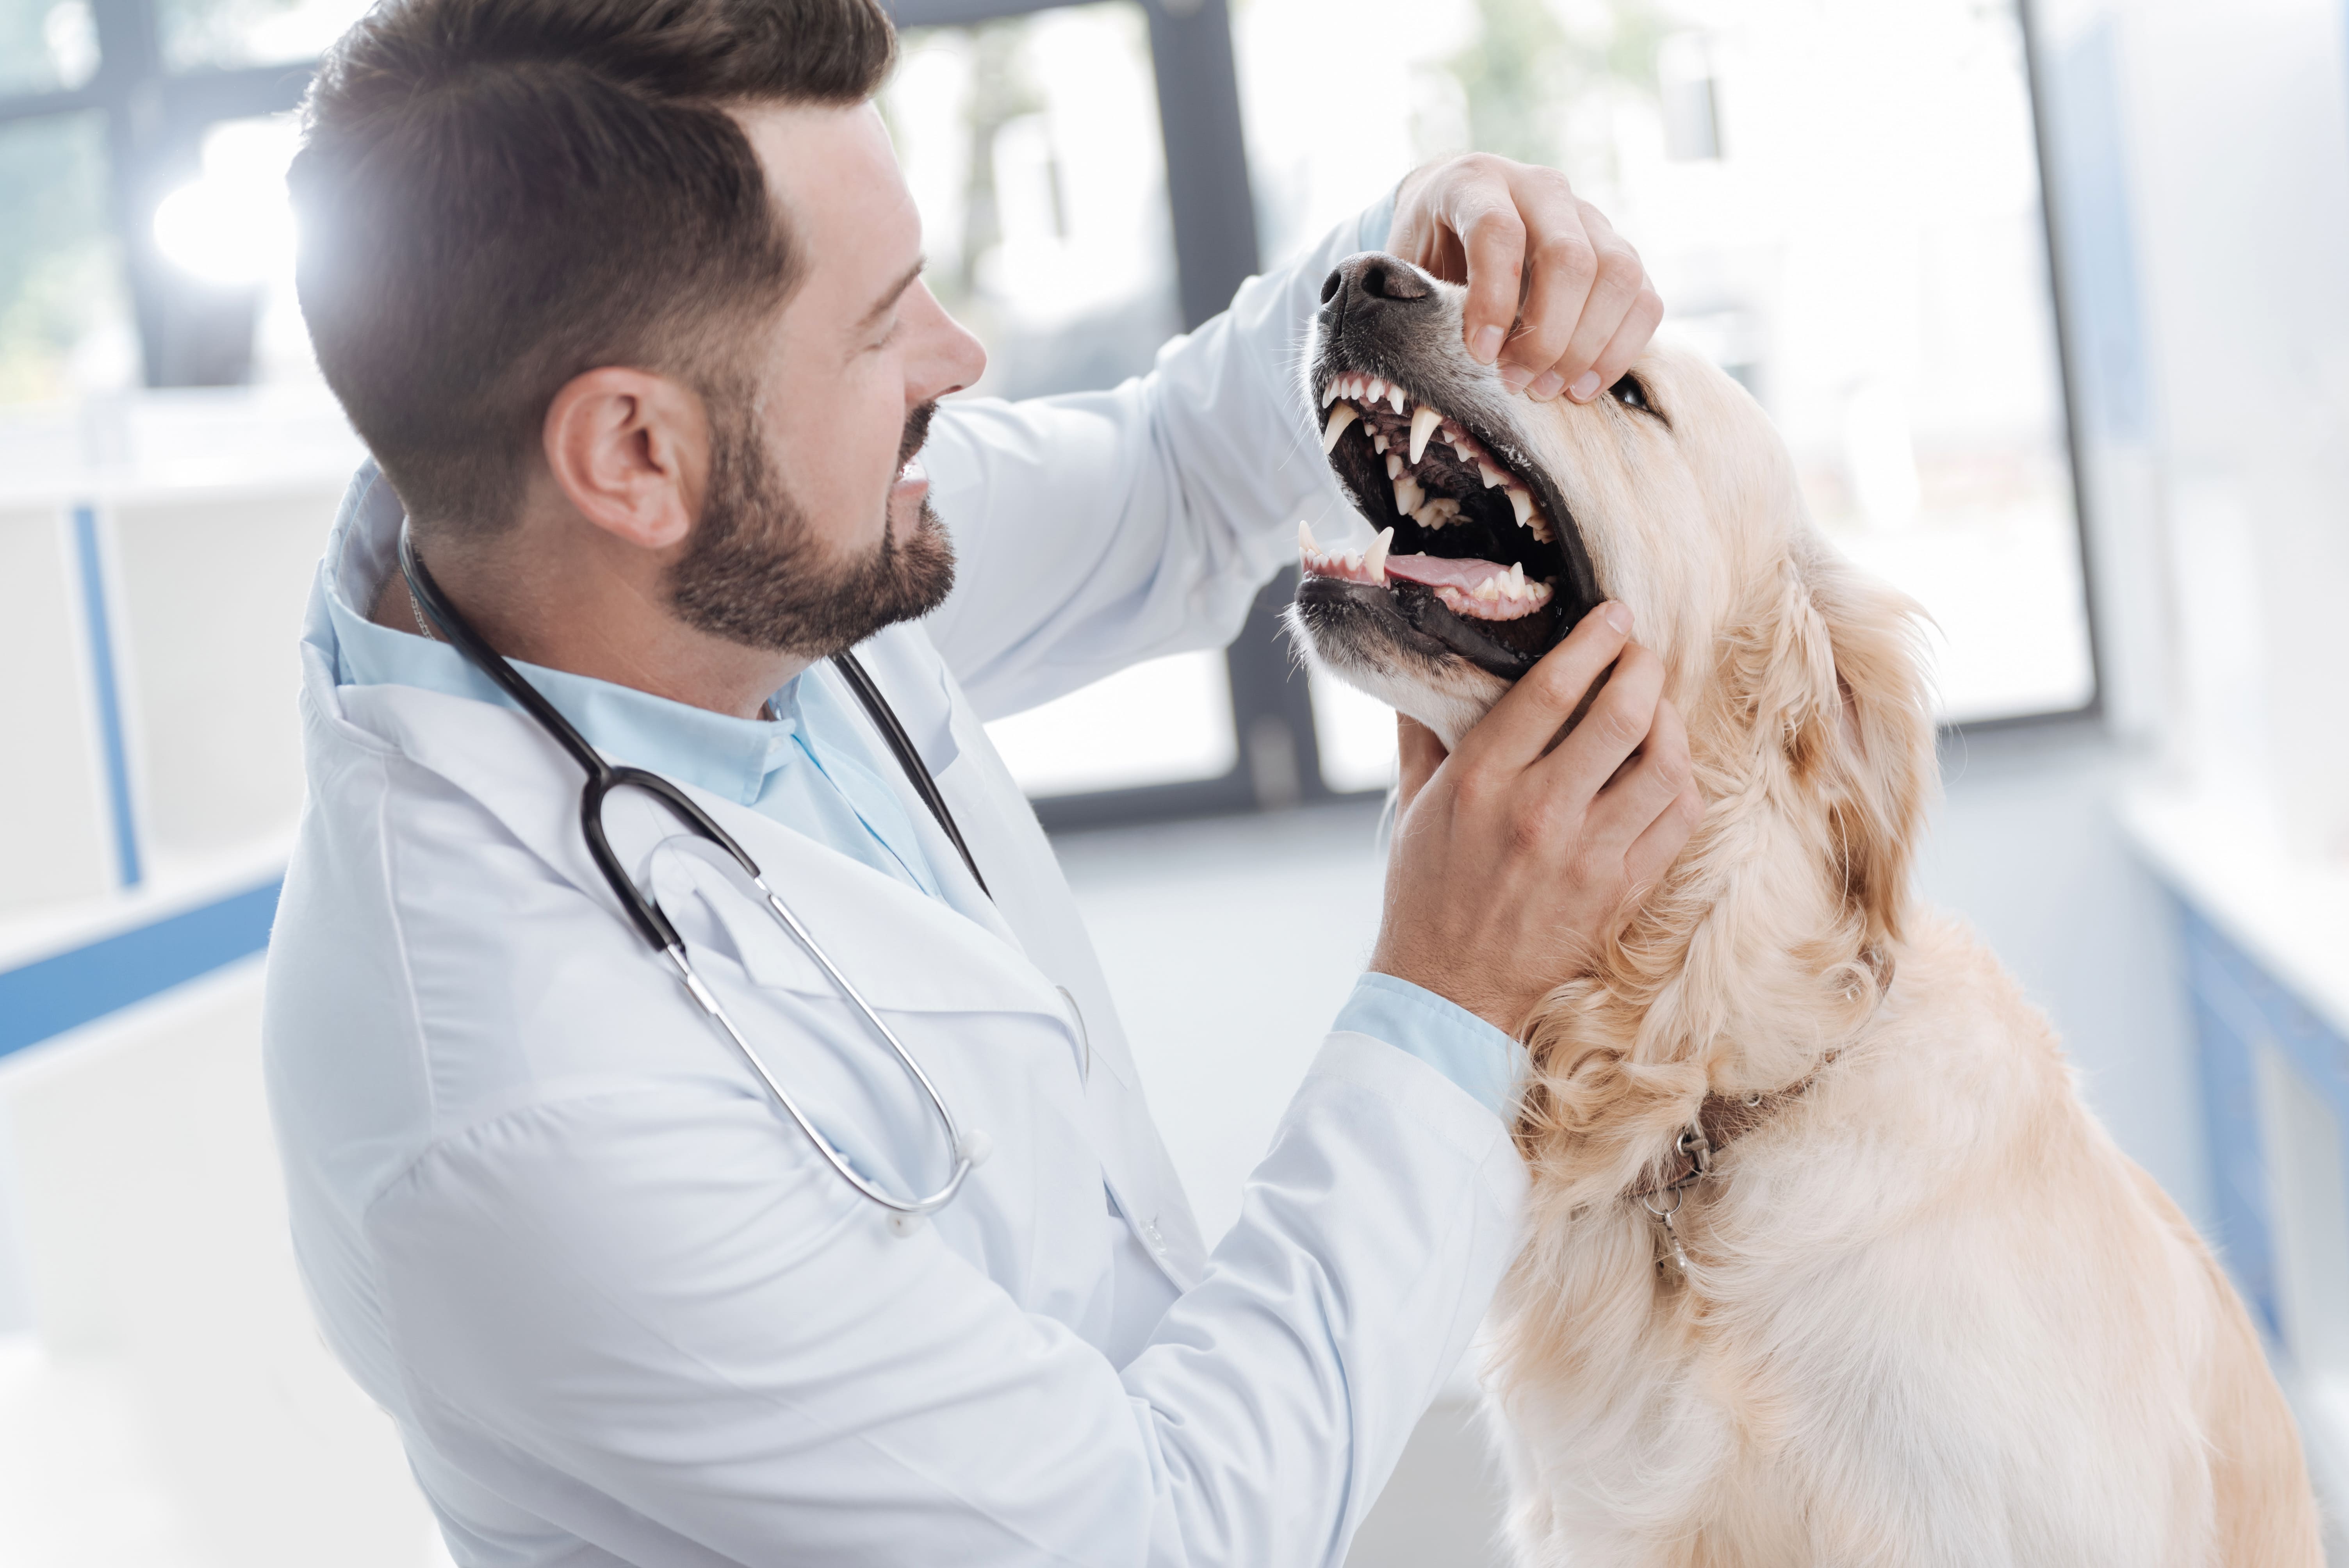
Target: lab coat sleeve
pixel 1095 529
pixel 717 1355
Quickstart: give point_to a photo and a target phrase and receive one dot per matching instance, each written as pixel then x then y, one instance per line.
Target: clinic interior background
pixel 2049 307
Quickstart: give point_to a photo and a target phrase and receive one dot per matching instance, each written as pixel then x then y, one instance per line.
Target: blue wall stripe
pixel 110 701
pixel 50 995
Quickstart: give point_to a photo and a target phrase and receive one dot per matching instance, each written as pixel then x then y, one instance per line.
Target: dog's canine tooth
pixel 1375 563
pixel 1395 399
pixel 1522 501
pixel 1424 421
pixel 1340 417
pixel 1517 579
pixel 1305 539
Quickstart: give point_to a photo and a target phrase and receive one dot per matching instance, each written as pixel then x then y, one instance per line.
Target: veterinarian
pixel 625 301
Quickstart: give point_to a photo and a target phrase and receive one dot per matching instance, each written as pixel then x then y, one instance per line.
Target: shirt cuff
pixel 1455 1042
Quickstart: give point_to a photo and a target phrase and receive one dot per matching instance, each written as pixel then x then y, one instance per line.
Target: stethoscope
pixel 603 778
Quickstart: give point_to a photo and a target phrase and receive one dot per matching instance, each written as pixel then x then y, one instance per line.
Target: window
pixel 198 33
pixel 1839 199
pixel 1036 147
pixel 64 324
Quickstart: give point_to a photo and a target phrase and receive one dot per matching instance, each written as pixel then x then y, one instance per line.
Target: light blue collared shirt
pixel 807 768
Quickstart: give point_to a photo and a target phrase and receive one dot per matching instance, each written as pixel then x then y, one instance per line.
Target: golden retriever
pixel 1825 1262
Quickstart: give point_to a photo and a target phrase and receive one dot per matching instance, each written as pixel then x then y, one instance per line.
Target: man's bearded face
pixel 757 571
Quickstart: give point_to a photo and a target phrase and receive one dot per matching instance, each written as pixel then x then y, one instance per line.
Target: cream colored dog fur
pixel 1930 1314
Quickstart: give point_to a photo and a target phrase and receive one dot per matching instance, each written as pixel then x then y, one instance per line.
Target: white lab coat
pixel 617 1305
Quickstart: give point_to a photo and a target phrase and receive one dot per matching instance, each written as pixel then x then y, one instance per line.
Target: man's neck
pixel 597 625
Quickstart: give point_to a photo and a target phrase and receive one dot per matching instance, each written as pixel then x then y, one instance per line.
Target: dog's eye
pixel 1631 394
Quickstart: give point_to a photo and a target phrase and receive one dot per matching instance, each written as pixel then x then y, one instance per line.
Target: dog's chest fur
pixel 1902 1293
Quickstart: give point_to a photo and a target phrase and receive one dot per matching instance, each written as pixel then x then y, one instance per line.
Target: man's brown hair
pixel 495 196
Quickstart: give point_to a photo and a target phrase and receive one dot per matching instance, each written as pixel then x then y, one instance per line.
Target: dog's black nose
pixel 1371 281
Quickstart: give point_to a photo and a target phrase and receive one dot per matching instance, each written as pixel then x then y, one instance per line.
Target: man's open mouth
pixel 1475 548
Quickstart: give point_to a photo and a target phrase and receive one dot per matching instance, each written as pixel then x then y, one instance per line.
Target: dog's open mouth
pixel 1475 548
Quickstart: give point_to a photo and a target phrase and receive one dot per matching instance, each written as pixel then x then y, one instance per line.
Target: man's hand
pixel 1513 863
pixel 1553 290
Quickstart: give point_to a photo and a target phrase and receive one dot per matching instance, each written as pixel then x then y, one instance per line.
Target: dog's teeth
pixel 1377 392
pixel 1340 417
pixel 1438 513
pixel 1394 466
pixel 1517 580
pixel 1484 469
pixel 1423 424
pixel 1375 563
pixel 1395 399
pixel 1378 441
pixel 1489 589
pixel 1522 500
pixel 1409 497
pixel 1305 539
pixel 1329 393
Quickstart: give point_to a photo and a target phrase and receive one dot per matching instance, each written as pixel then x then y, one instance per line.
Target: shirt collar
pixel 714 751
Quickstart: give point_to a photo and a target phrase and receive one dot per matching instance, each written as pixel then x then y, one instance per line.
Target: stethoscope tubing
pixel 654 925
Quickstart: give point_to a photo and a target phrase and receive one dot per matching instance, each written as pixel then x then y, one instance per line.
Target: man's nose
pixel 1370 283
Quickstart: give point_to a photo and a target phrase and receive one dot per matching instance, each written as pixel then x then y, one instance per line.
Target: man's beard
pixel 757 574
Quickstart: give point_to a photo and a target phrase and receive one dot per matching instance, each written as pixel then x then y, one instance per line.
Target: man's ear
pixel 1865 732
pixel 630 451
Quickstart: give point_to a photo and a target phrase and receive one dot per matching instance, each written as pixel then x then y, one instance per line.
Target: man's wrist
pixel 1482 1061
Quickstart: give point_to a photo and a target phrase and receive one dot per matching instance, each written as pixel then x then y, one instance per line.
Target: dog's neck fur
pixel 1775 935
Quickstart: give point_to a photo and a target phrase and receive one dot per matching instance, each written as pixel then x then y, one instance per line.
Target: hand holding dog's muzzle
pixel 1513 858
pixel 1556 296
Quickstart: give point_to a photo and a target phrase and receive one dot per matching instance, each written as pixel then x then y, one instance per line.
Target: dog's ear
pixel 1863 732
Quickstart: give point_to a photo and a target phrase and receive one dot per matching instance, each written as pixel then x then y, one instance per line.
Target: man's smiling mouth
pixel 1473 545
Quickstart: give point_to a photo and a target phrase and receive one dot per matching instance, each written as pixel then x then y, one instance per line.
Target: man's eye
pixel 1631 394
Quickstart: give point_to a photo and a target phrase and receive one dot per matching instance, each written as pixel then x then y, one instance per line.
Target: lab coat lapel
pixel 867 921
pixel 1032 896
pixel 1028 955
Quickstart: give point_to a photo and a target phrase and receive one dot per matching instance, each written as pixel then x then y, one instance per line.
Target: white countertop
pixel 2288 911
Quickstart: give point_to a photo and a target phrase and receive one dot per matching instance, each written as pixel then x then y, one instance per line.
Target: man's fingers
pixel 1638 327
pixel 1418 754
pixel 1651 854
pixel 1616 725
pixel 1646 785
pixel 1524 721
pixel 1493 239
pixel 1561 263
pixel 1613 289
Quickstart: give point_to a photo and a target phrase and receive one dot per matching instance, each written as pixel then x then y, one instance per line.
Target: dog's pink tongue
pixel 1477 588
pixel 1444 570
